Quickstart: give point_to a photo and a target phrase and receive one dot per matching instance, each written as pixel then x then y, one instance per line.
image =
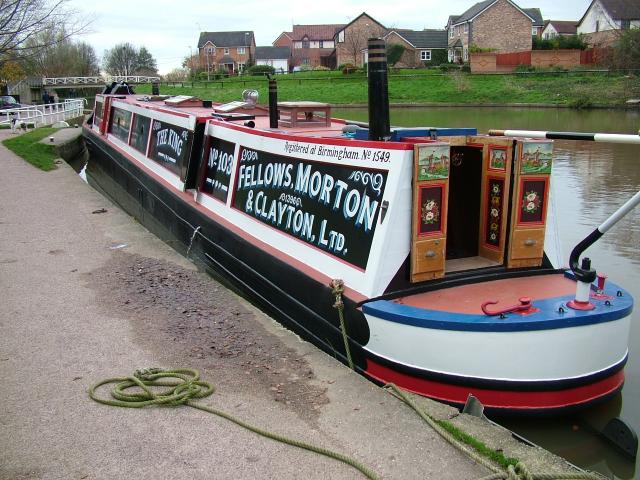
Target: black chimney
pixel 273 103
pixel 378 90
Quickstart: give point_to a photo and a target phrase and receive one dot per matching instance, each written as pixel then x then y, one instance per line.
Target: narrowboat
pixel 446 287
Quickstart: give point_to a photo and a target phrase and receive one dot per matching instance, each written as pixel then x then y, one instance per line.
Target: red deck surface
pixel 468 298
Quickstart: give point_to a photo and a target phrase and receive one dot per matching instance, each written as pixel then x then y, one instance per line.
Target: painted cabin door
pixel 429 216
pixel 532 172
pixel 497 160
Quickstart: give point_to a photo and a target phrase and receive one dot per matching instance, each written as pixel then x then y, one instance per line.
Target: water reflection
pixel 589 181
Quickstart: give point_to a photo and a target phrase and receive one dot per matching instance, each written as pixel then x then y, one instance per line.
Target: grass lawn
pixel 28 147
pixel 576 89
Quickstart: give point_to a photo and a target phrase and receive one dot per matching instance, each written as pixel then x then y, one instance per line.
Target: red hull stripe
pixel 499 399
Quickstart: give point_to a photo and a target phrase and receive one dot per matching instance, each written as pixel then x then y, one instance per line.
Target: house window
pixel 597 25
pixel 534 31
pixel 305 61
pixel 450 32
pixel 226 51
pixel 341 36
pixel 625 24
pixel 425 55
pixel 320 44
pixel 240 50
pixel 465 54
pixel 241 66
pixel 209 50
pixel 466 28
pixel 305 43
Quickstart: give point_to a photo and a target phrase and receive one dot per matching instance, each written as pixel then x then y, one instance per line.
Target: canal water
pixel 589 182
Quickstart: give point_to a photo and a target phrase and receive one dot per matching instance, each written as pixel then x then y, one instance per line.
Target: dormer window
pixel 305 42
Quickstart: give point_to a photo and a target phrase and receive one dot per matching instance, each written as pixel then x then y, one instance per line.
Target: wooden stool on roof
pixel 304 114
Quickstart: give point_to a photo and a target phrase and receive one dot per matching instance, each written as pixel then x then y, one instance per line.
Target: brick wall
pixel 483 62
pixel 356 35
pixel 502 27
pixel 555 58
pixel 410 57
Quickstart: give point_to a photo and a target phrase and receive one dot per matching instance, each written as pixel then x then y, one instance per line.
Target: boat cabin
pixel 428 203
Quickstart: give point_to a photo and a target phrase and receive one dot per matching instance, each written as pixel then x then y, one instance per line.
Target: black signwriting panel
pixel 140 133
pixel 218 170
pixel 332 207
pixel 170 145
pixel 119 123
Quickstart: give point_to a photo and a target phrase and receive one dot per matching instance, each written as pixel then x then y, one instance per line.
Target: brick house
pixel 311 45
pixel 497 24
pixel 420 46
pixel 276 57
pixel 538 22
pixel 557 28
pixel 230 51
pixel 351 39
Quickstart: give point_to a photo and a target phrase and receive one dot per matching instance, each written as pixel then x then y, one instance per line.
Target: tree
pixel 61 57
pixel 146 63
pixel 22 20
pixel 177 75
pixel 124 59
pixel 394 53
pixel 626 50
pixel 355 42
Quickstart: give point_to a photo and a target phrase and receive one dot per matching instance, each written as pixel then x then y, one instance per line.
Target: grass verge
pixel 28 147
pixel 477 445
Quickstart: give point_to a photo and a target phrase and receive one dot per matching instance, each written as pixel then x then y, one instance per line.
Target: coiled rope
pixel 180 387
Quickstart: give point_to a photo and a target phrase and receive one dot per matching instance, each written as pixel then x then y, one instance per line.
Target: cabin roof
pixel 227 39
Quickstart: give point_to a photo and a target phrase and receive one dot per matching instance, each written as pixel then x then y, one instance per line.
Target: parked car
pixel 7 101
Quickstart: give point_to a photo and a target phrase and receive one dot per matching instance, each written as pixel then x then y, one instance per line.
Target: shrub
pixel 394 53
pixel 261 70
pixel 559 42
pixel 321 68
pixel 348 68
pixel 524 69
pixel 581 102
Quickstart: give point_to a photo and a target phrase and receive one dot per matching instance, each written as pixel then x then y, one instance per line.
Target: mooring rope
pixel 517 472
pixel 184 385
pixel 337 288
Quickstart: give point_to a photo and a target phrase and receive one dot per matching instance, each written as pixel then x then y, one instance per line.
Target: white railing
pixel 58 81
pixel 40 115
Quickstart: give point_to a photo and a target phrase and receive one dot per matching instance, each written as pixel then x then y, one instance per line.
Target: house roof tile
pixel 226 39
pixel 272 53
pixel 315 32
pixel 563 26
pixel 427 38
pixel 622 9
pixel 536 15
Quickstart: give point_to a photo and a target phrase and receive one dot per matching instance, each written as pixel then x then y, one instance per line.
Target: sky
pixel 170 29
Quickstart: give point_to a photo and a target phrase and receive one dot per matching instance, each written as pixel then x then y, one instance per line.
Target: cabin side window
pixel 119 123
pixel 140 133
pixel 97 119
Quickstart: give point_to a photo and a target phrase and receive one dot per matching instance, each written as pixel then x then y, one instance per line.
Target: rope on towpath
pixel 517 472
pixel 180 387
pixel 337 288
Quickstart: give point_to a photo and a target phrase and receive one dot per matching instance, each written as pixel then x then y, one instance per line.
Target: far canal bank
pixel 574 89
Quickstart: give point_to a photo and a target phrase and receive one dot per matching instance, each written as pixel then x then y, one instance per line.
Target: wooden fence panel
pixel 513 59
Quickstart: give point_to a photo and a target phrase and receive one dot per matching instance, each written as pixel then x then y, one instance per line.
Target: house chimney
pixel 378 90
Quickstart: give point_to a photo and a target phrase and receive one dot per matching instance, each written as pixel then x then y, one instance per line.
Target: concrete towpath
pixel 87 293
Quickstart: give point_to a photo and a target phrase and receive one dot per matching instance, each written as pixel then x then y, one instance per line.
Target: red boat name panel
pixel 170 145
pixel 218 169
pixel 330 206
